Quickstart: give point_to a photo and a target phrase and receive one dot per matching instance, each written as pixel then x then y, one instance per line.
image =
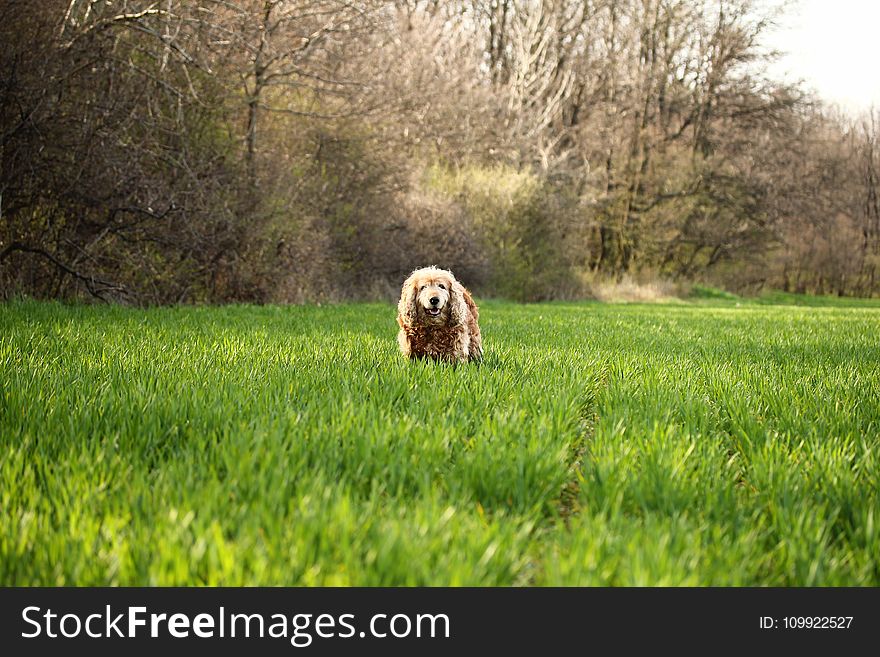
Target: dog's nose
pixel 434 301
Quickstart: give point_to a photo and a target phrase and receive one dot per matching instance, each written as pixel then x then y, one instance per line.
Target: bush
pixel 519 225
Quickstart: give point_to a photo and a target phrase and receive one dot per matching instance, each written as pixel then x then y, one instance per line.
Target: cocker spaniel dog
pixel 438 318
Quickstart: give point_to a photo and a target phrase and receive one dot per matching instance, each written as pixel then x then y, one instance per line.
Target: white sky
pixel 834 46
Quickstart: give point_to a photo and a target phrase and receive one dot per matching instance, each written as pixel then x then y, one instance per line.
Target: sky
pixel 834 46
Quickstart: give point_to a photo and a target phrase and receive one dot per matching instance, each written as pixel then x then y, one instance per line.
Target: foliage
pixel 281 151
pixel 519 225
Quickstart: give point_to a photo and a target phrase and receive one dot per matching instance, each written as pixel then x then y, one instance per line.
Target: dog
pixel 438 318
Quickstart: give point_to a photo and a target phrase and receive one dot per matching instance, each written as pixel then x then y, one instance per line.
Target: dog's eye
pixel 441 286
pixel 423 287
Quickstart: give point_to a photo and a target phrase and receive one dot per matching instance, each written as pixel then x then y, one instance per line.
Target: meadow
pixel 711 442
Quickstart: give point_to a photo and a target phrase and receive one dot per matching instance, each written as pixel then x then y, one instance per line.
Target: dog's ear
pixel 406 307
pixel 458 308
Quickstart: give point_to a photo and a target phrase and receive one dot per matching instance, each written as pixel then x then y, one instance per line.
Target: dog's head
pixel 432 296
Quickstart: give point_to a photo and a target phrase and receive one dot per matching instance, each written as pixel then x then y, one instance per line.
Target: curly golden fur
pixel 438 318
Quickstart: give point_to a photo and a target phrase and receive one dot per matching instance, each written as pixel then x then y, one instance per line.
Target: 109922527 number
pixel 816 622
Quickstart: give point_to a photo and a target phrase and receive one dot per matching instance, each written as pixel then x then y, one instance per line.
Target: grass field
pixel 706 443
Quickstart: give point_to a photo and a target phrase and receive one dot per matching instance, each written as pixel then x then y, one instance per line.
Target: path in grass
pixel 597 444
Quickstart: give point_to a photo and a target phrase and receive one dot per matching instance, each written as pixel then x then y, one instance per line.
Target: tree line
pixel 296 150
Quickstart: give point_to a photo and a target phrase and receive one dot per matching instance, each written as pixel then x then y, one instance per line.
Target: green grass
pixel 776 298
pixel 712 443
pixel 706 292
